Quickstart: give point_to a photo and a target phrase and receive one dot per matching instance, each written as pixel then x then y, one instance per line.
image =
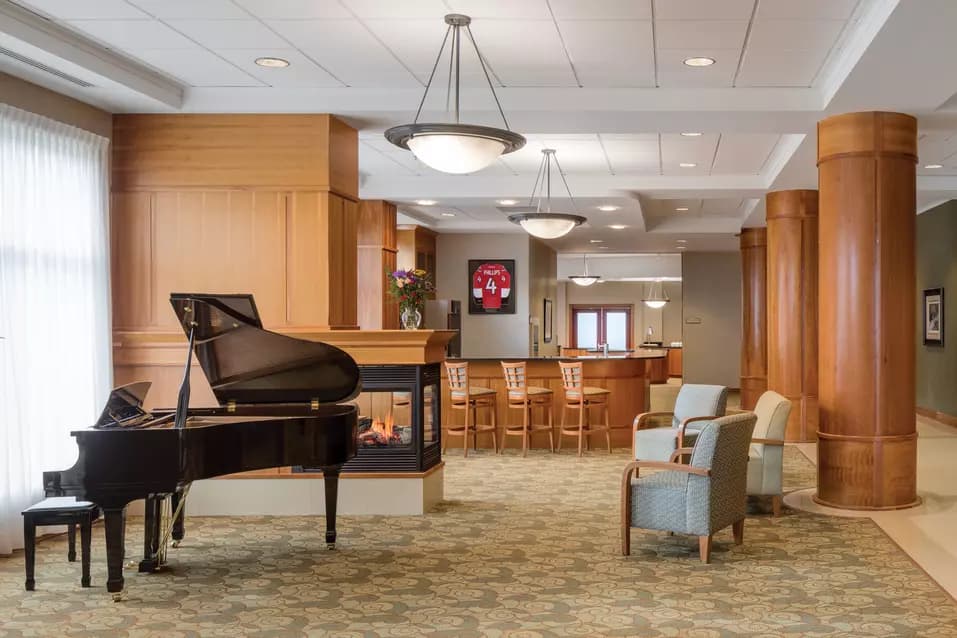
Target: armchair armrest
pixel 635 466
pixel 677 454
pixel 684 425
pixel 768 441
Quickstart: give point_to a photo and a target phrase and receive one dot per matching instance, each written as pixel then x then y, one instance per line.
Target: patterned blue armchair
pixel 694 405
pixel 698 499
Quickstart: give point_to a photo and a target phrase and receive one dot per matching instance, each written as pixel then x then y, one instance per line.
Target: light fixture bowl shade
pixel 547 225
pixel 656 303
pixel 584 280
pixel 455 148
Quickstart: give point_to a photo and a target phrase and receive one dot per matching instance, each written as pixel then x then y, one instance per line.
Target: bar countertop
pixel 638 354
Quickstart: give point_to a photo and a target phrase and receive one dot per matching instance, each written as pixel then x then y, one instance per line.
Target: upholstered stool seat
pixel 59 510
pixel 531 390
pixel 474 391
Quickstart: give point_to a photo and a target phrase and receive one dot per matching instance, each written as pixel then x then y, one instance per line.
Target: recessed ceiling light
pixel 681 247
pixel 426 202
pixel 687 164
pixel 618 226
pixel 934 166
pixel 272 63
pixel 507 202
pixel 681 209
pixel 448 214
pixel 699 61
pixel 682 241
pixel 596 241
pixel 691 134
pixel 607 208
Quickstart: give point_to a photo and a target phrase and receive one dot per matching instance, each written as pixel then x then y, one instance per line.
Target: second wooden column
pixel 754 309
pixel 792 307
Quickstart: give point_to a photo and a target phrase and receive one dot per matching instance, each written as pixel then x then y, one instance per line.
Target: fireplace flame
pixel 386 427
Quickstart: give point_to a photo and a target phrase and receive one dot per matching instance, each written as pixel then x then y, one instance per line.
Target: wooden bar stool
pixel 583 398
pixel 59 510
pixel 525 398
pixel 470 399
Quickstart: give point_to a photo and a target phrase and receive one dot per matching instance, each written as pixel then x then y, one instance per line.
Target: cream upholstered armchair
pixel 766 456
pixel 695 404
pixel 700 498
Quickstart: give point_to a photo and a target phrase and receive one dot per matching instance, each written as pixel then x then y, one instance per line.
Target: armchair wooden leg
pixel 738 530
pixel 625 539
pixel 776 505
pixel 704 546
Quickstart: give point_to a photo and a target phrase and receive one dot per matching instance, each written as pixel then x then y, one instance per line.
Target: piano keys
pixel 279 404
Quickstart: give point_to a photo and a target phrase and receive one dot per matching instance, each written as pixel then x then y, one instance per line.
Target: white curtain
pixel 55 359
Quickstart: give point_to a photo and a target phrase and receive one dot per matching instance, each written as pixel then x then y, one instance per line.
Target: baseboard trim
pixel 940 417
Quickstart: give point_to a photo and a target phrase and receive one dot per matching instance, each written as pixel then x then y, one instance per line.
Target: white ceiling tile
pixel 806 9
pixel 673 60
pixel 743 154
pixel 719 78
pixel 294 9
pixel 88 10
pixel 372 162
pixel 703 34
pixel 134 34
pixel 415 42
pixel 301 72
pixel 677 149
pixel 705 9
pixel 794 34
pixel 346 49
pixel 616 44
pixel 721 207
pixel 229 34
pixel 481 10
pixel 197 9
pixel 598 76
pixel 196 67
pixel 601 9
pixel 406 9
pixel 558 74
pixel 525 42
pixel 780 68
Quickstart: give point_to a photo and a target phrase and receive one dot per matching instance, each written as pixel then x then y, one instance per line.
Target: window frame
pixel 602 310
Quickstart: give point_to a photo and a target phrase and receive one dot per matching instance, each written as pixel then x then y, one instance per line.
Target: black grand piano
pixel 277 406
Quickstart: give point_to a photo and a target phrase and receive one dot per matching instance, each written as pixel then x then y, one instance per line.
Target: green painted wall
pixel 937 268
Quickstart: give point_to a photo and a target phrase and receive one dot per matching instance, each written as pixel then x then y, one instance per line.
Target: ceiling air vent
pixel 43 67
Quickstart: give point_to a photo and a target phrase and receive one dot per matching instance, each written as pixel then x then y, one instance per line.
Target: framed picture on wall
pixel 492 285
pixel 547 320
pixel 934 317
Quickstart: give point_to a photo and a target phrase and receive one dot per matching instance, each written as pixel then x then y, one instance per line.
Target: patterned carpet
pixel 522 547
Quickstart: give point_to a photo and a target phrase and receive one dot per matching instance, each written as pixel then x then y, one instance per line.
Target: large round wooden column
pixel 867 453
pixel 792 306
pixel 754 315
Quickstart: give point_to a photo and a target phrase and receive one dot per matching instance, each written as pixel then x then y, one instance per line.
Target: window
pixel 55 368
pixel 593 326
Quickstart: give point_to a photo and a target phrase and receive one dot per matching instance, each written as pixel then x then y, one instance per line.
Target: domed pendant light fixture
pixel 657 299
pixel 584 279
pixel 543 223
pixel 456 147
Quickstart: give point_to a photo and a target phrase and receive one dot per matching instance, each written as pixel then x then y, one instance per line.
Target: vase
pixel 411 318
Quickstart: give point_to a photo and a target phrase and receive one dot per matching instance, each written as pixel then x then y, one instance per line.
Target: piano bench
pixel 59 510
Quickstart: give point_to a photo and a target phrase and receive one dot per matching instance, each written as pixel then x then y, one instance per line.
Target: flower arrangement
pixel 409 288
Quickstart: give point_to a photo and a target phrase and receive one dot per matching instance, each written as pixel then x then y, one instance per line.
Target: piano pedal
pixel 330 546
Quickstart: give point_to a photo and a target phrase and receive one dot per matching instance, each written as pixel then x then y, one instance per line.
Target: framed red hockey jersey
pixel 491 286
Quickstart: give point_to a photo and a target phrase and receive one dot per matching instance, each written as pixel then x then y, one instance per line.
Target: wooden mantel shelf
pixel 367 347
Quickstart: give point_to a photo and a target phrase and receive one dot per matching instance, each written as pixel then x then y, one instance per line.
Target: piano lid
pixel 246 364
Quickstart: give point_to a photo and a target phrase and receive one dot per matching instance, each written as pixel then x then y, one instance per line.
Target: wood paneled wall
pixel 265 204
pixel 235 203
pixel 754 310
pixel 377 256
pixel 867 453
pixel 793 307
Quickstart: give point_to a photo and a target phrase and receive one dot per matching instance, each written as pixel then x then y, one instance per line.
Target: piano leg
pixel 179 527
pixel 151 533
pixel 114 524
pixel 330 476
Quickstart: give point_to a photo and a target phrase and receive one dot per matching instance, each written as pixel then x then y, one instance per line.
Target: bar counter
pixel 627 376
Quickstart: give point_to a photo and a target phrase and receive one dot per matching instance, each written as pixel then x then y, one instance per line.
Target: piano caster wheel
pixel 118 597
pixel 330 546
pixel 175 543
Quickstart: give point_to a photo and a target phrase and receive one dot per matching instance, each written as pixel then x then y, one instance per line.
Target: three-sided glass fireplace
pixel 399 412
